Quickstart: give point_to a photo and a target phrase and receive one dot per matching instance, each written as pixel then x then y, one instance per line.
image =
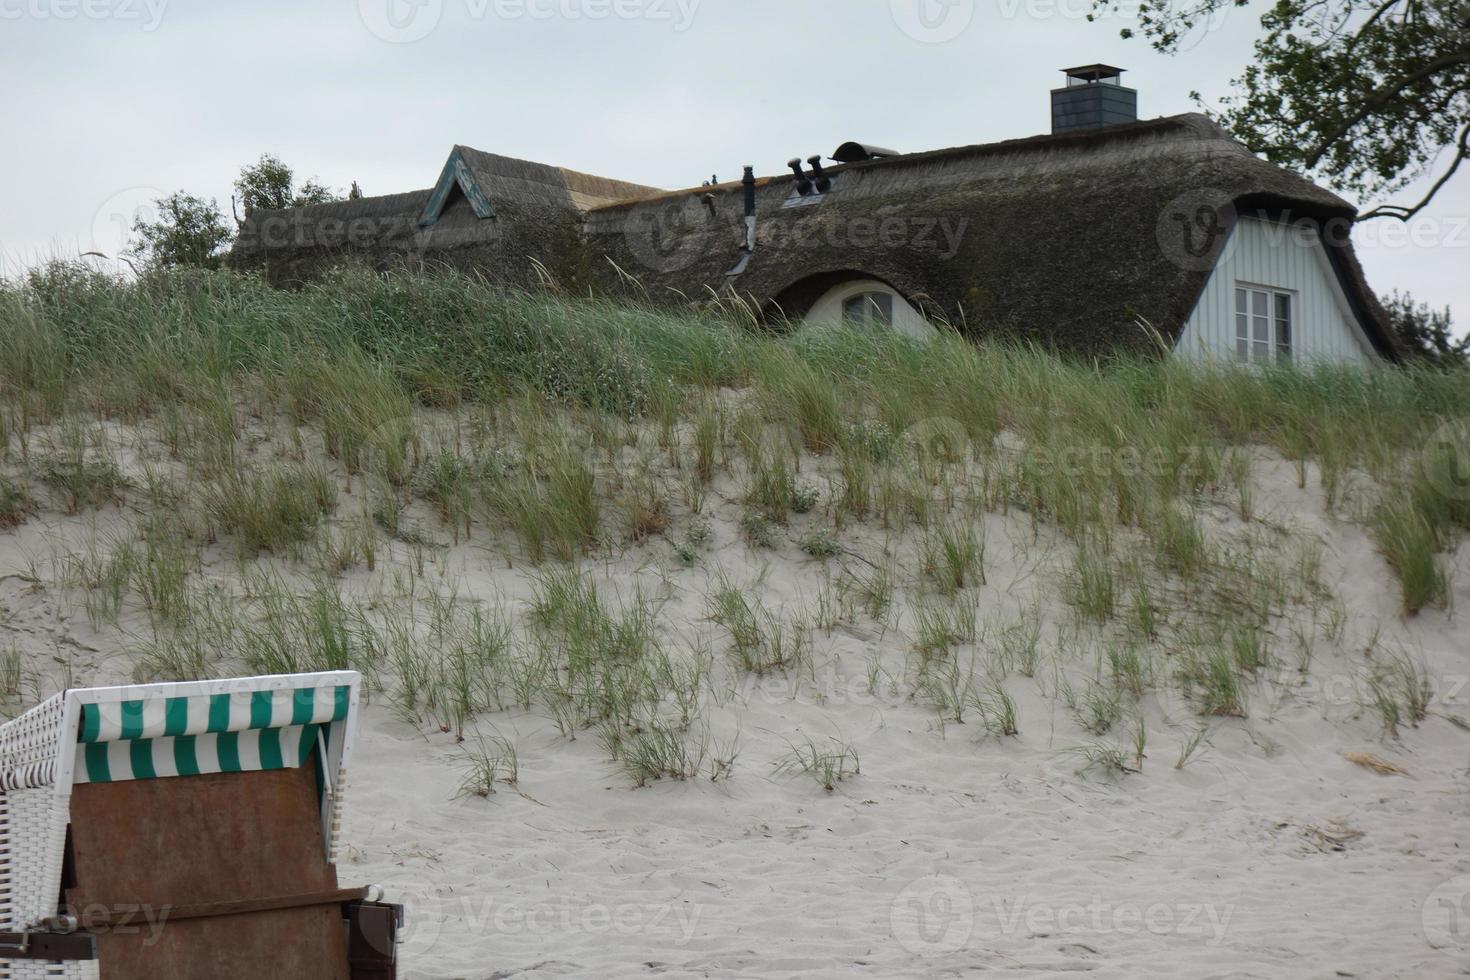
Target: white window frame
pixel 1269 337
pixel 876 306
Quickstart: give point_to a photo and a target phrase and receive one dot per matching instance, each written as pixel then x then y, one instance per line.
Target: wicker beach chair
pixel 184 830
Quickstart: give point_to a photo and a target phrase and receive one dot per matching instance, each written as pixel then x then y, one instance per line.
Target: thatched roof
pixel 506 178
pixel 1069 240
pixel 1064 239
pixel 537 209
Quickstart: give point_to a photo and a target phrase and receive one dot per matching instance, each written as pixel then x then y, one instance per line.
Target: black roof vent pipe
pixel 803 185
pixel 824 183
pixel 748 182
pixel 748 249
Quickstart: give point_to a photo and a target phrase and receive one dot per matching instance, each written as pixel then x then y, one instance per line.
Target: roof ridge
pixel 1196 123
pixel 462 147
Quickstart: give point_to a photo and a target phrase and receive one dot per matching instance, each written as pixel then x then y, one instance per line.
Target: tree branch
pixel 1377 15
pixel 1402 213
pixel 1384 93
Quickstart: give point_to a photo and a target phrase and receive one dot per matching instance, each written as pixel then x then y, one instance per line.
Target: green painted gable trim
pixel 456 173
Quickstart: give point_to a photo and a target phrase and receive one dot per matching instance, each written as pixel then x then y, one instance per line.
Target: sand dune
pixel 953 850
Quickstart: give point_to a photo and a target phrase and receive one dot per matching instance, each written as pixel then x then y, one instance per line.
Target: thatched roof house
pixel 1090 239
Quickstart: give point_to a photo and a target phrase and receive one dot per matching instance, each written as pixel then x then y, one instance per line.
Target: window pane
pixel 1242 327
pixel 1283 327
pixel 1262 353
pixel 1263 329
pixel 1242 350
pixel 1240 304
pixel 882 308
pixel 854 309
pixel 1258 303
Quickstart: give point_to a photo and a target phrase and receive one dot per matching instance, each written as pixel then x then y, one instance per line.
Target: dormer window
pixel 868 310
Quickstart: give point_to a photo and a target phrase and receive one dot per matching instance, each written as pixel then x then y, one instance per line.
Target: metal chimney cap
pixel 1093 73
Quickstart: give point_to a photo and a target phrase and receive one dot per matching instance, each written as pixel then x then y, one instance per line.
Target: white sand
pixel 951 854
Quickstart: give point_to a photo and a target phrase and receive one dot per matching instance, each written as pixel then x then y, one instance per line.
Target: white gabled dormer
pixel 1274 297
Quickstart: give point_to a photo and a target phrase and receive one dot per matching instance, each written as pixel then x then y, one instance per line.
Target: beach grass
pixel 330 437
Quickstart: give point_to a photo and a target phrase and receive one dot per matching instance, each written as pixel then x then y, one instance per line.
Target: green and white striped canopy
pixel 151 738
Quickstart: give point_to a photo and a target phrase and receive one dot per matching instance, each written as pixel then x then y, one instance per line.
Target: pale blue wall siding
pixel 1264 253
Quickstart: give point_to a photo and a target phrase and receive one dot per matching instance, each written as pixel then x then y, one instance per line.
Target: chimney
pixel 1093 97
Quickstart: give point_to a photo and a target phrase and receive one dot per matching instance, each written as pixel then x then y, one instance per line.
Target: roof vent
pixel 1094 96
pixel 858 152
pixel 803 183
pixel 819 176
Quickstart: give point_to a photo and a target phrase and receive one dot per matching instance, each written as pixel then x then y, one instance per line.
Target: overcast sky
pixel 110 103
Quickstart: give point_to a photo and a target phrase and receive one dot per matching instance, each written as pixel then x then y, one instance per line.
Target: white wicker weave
pixel 30 820
pixel 34 844
pixel 42 970
pixel 28 746
pixel 33 836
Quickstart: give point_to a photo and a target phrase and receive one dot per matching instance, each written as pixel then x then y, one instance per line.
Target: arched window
pixel 869 303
